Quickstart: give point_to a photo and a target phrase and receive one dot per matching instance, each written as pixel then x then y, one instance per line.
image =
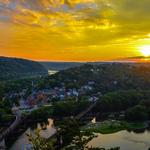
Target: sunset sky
pixel 75 30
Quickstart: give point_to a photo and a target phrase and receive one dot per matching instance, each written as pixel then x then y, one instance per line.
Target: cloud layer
pixel 77 30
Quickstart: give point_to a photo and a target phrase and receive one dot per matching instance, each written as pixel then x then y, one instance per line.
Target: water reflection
pixel 47 130
pixel 93 120
pixel 124 139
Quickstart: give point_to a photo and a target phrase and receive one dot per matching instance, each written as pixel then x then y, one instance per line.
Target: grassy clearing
pixel 108 127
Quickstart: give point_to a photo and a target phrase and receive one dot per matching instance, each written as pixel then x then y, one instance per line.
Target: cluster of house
pixel 35 99
pixel 45 96
pixel 12 95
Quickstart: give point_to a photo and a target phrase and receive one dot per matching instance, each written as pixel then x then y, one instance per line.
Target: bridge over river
pixel 87 110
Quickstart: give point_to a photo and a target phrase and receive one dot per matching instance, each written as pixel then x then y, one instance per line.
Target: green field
pixel 108 127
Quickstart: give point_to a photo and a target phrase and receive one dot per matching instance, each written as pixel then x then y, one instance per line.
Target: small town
pixel 46 96
pixel 74 74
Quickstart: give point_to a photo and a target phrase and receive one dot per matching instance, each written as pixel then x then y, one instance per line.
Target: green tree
pixel 80 141
pixel 137 113
pixel 39 143
pixel 68 129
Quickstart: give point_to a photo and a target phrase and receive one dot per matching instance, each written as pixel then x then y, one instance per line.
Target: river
pixel 46 131
pixel 124 139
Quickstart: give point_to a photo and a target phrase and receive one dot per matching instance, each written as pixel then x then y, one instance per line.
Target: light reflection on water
pixel 47 130
pixel 123 139
pixel 139 140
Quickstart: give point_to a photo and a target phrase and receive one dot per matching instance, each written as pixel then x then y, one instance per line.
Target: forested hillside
pixel 13 67
pixel 107 77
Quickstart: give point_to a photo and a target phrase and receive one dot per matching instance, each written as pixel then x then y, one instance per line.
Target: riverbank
pixel 112 126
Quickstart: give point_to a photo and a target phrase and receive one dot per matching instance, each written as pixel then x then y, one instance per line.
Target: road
pixel 12 126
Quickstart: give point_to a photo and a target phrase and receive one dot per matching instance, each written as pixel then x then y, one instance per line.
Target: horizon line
pixel 136 59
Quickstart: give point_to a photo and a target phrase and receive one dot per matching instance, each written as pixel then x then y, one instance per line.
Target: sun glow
pixel 145 50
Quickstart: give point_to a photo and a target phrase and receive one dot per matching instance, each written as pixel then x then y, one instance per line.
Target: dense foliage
pixel 120 100
pixel 135 103
pixel 137 113
pixel 42 113
pixel 69 108
pixel 13 68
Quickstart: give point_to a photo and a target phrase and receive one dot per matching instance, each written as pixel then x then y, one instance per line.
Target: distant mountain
pixel 67 65
pixel 15 67
pixel 60 65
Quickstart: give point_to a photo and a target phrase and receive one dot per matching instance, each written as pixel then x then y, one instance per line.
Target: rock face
pixel 15 67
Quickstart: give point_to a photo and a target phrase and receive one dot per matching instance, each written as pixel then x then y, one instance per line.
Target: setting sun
pixel 145 50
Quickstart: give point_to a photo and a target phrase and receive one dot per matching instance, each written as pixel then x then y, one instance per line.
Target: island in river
pixel 125 139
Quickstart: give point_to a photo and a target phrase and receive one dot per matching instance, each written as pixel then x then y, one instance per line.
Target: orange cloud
pixel 73 29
